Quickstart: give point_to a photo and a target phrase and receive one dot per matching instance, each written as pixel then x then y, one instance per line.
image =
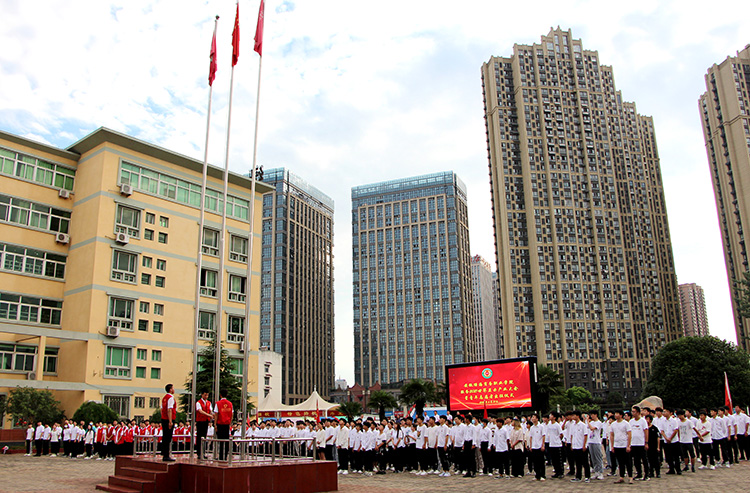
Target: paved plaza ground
pixel 20 474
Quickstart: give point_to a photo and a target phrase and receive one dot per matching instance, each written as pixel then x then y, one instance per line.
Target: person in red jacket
pixel 203 416
pixel 168 417
pixel 111 446
pixel 129 433
pixel 223 413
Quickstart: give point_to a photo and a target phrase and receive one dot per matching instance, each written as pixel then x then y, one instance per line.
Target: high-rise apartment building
pixel 725 111
pixel 485 309
pixel 411 265
pixel 297 283
pixel 498 327
pixel 98 269
pixel 587 279
pixel 693 310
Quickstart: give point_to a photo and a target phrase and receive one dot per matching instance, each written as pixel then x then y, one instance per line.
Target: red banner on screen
pixel 490 386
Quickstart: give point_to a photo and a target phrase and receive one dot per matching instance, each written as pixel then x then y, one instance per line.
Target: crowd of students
pixel 634 444
pixel 97 440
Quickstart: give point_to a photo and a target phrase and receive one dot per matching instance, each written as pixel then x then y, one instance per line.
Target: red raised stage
pixel 151 475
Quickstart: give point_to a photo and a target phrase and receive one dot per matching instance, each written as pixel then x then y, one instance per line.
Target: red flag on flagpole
pixel 236 37
pixel 727 393
pixel 212 66
pixel 259 30
pixel 317 412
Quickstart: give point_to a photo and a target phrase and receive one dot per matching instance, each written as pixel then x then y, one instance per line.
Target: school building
pixel 98 270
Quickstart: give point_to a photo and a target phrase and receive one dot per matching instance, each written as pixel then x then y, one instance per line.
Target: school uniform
pixel 342 444
pixel 705 443
pixel 595 448
pixel 554 430
pixel 620 442
pixel 502 455
pixel 46 436
pixel 38 433
pixel 536 442
pixel 638 447
pixel 55 441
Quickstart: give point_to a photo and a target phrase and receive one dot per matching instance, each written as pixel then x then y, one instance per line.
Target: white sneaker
pixel 345 472
pixel 423 473
pixel 701 467
pixel 713 468
pixel 489 474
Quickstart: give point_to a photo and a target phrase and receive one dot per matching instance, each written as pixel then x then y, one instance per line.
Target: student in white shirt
pixel 442 447
pixel 536 443
pixel 639 439
pixel 595 444
pixel 579 435
pixel 670 432
pixel 703 429
pixel 685 429
pixel 619 440
pixel 743 423
pixel 500 445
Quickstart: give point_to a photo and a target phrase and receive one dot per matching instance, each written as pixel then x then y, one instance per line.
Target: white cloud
pixel 356 92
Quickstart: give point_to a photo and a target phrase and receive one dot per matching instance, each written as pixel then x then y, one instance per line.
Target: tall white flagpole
pixel 199 256
pixel 222 233
pixel 246 340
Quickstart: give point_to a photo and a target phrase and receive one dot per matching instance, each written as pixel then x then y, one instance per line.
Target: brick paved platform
pixel 19 474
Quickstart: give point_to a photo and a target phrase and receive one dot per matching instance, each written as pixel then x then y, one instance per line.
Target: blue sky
pixel 355 92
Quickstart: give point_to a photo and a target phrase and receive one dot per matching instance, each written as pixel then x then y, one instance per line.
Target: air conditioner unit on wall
pixel 126 189
pixel 62 238
pixel 113 331
pixel 31 375
pixel 122 238
pixel 64 194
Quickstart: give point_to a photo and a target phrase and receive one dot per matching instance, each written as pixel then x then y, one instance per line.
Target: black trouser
pixel 470 461
pixel 742 446
pixel 516 463
pixel 201 433
pixel 343 459
pixel 55 447
pixel 166 439
pixel 29 448
pixel 329 451
pixel 726 454
pixel 640 461
pixel 537 457
pixel 623 461
pixel 581 462
pixel 45 447
pixel 38 446
pixel 503 462
pixel 485 449
pixel 443 456
pixel 673 457
pixel 734 451
pixel 412 457
pixel 382 459
pixel 706 455
pixel 555 457
pixel 222 433
pixel 569 457
pixel 89 449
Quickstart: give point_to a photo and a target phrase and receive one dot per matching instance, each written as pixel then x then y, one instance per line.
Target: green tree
pixel 578 395
pixel 614 400
pixel 382 400
pixel 418 392
pixel 28 405
pixel 549 383
pixel 351 409
pixel 205 380
pixel 689 373
pixel 156 417
pixel 94 412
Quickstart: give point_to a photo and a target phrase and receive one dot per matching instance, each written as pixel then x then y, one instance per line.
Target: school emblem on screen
pixel 487 373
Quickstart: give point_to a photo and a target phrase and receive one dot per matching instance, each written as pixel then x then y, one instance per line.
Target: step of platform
pixel 137 484
pixel 115 489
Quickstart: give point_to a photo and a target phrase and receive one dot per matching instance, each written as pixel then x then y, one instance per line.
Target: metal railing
pixel 149 444
pixel 247 450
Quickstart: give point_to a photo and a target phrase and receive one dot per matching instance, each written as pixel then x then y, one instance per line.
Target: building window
pixel 156 373
pixel 123 266
pixel 145 278
pixel 29 261
pixel 163 238
pixel 210 245
pixel 208 282
pixel 158 309
pixel 143 325
pixel 119 404
pixel 140 372
pixel 117 362
pixel 17 357
pixel 30 168
pixel 147 261
pixel 19 308
pixel 120 313
pixel 235 329
pixel 141 354
pixel 31 214
pixel 238 248
pixel 163 222
pixel 206 325
pixel 155 355
pixel 160 281
pixel 153 402
pixel 139 402
pixel 145 306
pixel 235 366
pixel 236 288
pixel 148 234
pixel 161 264
pixel 158 326
pixel 128 221
pixel 150 218
pixel 50 360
